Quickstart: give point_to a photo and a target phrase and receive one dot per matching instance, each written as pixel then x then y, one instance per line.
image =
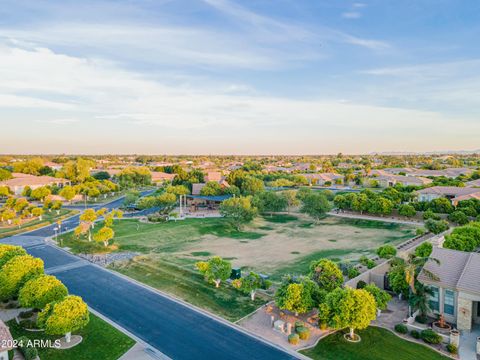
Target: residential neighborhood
pixel 239 180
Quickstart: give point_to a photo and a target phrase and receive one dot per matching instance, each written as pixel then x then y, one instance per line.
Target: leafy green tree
pixel 350 308
pixel 64 317
pixel 40 291
pixel 380 206
pixel 407 210
pixel 340 202
pixel 291 197
pixel 88 217
pixel 326 274
pixel 441 205
pixel 5 175
pixel 238 210
pixel 424 250
pixel 68 193
pixel 167 201
pixel 464 238
pixel 252 186
pixel 249 284
pixel 16 272
pixel 177 190
pixel 360 202
pixel 104 235
pixel 458 217
pixel 436 226
pixel 8 252
pixel 37 212
pixel 396 278
pixel 215 270
pixel 315 205
pixel 270 202
pixel 386 251
pixel 211 188
pixel 4 191
pixel 7 215
pixel 294 297
pixel 40 193
pixel 381 296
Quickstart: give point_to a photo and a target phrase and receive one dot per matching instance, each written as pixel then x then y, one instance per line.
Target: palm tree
pixel 419 299
pixel 413 266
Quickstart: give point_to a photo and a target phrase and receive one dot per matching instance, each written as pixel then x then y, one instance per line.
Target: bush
pixel 371 264
pixel 415 334
pixel 157 218
pixel 299 324
pixel 361 284
pixel 26 314
pixel 429 214
pixel 386 251
pixel 424 249
pixel 420 231
pixel 401 328
pixel 436 226
pixel 28 324
pixel 28 352
pixel 293 339
pixel 353 273
pixel 430 336
pixel 303 333
pixel 452 349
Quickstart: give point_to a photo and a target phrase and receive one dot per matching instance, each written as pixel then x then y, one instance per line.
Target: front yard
pixel 100 341
pixel 376 344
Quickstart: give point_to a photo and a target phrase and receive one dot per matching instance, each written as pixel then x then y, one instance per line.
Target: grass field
pixel 273 245
pixel 100 341
pixel 47 218
pixel 376 344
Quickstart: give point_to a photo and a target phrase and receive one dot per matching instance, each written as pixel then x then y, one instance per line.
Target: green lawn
pixel 47 219
pixel 187 284
pixel 100 341
pixel 376 344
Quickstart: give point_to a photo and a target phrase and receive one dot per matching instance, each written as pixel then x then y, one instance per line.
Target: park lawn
pixel 47 219
pixel 184 282
pixel 376 344
pixel 100 341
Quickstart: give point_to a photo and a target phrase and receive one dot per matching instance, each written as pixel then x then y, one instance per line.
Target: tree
pixel 40 193
pixel 249 284
pixel 37 212
pixel 4 191
pixel 211 188
pixel 352 308
pixel 215 270
pixel 104 235
pixel 424 250
pixel 40 291
pixel 57 205
pixel 407 210
pixel 252 185
pixel 396 278
pixel 68 193
pixel 326 274
pixel 464 238
pixel 89 216
pixel 381 206
pixel 292 201
pixel 270 202
pixel 131 197
pixel 419 300
pixel 458 217
pixel 8 215
pixel 340 202
pixel 64 316
pixel 381 296
pixel 238 210
pixel 386 251
pixel 298 296
pixel 167 201
pixel 5 174
pixel 16 272
pixel 101 175
pixel 436 226
pixel 316 205
pixel 441 205
pixel 177 190
pixel 8 252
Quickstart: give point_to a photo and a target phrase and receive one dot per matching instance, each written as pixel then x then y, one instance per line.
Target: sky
pixel 239 77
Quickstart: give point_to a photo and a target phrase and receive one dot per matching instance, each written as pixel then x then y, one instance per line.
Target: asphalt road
pixel 176 330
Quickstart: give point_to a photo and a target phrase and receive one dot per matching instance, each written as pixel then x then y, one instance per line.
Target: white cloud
pixel 351 15
pixel 107 98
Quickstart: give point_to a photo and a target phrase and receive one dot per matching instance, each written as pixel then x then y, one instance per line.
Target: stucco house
pixel 21 181
pixel 454 194
pixel 322 178
pixel 456 291
pixel 6 341
pixel 392 180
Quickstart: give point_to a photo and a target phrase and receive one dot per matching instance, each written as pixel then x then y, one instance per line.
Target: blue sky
pixel 243 77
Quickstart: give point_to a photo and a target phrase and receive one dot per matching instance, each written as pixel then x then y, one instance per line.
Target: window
pixel 449 302
pixel 434 299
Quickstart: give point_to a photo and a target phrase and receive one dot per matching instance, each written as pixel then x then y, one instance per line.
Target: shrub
pixel 420 231
pixel 401 328
pixel 361 284
pixel 353 273
pixel 422 319
pixel 429 214
pixel 436 226
pixel 386 251
pixel 299 324
pixel 28 352
pixel 452 349
pixel 26 314
pixel 303 333
pixel 424 249
pixel 28 324
pixel 363 260
pixel 430 336
pixel 293 339
pixel 415 334
pixel 371 264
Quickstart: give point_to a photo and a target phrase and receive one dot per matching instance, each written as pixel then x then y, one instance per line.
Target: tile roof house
pixel 6 340
pixel 322 178
pixel 456 289
pixel 391 180
pixel 449 172
pixel 161 177
pixel 453 193
pixel 18 184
